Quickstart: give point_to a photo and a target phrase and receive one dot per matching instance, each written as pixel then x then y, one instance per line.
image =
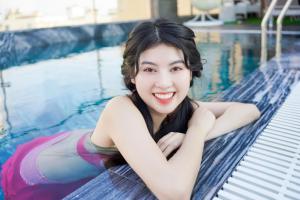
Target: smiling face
pixel 163 79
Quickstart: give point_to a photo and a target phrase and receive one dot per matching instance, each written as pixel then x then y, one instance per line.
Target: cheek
pixel 184 84
pixel 142 83
pixel 184 80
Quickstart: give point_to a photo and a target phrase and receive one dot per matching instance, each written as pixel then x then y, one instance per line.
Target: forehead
pixel 161 53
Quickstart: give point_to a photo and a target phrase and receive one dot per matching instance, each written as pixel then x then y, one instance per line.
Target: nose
pixel 164 80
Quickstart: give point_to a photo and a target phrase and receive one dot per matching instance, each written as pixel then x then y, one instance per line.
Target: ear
pixel 191 76
pixel 132 80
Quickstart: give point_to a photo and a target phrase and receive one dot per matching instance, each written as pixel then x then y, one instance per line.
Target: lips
pixel 164 97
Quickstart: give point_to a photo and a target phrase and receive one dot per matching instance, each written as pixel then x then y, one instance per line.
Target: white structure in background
pixel 205 19
pixel 244 7
pixel 227 13
pixel 1 16
pixel 231 11
pixel 107 8
pixel 76 11
pixel 293 9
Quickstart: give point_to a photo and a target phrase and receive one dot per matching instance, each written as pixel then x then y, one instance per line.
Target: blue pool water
pixel 43 96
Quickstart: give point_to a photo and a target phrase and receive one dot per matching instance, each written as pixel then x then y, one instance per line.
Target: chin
pixel 164 111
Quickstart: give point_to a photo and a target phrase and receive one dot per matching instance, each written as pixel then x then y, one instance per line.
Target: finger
pixel 170 149
pixel 175 141
pixel 169 140
pixel 163 139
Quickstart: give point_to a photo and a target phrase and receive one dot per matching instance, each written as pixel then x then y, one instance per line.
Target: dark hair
pixel 144 36
pixel 148 34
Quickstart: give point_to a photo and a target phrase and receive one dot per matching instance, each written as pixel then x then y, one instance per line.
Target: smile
pixel 164 98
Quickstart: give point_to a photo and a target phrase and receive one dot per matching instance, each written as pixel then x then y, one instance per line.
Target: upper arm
pixel 231 116
pixel 128 130
pixel 217 108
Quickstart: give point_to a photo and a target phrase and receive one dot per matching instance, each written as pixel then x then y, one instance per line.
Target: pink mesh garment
pixel 21 178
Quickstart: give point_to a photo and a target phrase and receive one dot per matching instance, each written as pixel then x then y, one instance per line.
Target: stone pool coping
pixel 267 87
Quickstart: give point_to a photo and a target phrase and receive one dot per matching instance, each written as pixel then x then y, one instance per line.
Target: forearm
pixel 188 157
pixel 186 162
pixel 190 149
pixel 233 118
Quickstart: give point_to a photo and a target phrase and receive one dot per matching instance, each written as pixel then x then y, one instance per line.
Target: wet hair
pixel 149 34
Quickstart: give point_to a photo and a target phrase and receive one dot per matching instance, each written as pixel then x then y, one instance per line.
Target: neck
pixel 157 120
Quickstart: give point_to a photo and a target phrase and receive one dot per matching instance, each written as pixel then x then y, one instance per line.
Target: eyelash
pixel 149 69
pixel 176 69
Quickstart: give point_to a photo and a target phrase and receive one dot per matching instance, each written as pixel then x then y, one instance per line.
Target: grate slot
pixel 277 133
pixel 265 185
pixel 229 195
pixel 262 170
pixel 294 189
pixel 292 145
pixel 242 192
pixel 287 123
pixel 290 197
pixel 276 146
pixel 282 125
pixel 292 194
pixel 271 154
pixel 247 186
pixel 287 112
pixel 260 174
pixel 278 151
pixel 266 164
pixel 295 181
pixel 292 108
pixel 284 131
pixel 287 119
pixel 279 138
pixel 268 159
pixel 290 130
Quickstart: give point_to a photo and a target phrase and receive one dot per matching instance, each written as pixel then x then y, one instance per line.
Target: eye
pixel 176 68
pixel 148 69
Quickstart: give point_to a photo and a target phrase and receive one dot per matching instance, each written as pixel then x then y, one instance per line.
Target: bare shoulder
pixel 119 101
pixel 121 105
pixel 120 112
pixel 116 111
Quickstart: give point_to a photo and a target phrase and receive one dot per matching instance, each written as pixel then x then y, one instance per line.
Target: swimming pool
pixel 42 97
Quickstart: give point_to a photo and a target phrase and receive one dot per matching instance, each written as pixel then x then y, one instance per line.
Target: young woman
pixel 157 128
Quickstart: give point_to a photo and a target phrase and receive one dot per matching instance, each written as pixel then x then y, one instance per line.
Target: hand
pixel 170 142
pixel 203 119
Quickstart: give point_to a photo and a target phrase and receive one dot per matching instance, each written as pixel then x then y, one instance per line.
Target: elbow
pixel 173 189
pixel 174 194
pixel 254 111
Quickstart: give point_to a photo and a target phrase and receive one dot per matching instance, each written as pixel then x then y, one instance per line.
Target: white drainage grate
pixel 271 168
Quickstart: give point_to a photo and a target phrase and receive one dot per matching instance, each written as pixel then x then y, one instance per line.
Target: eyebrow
pixel 154 64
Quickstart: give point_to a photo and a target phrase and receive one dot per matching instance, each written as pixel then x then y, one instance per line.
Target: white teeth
pixel 164 96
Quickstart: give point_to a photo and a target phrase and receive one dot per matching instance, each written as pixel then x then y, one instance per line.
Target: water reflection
pixel 57 95
pixel 229 58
